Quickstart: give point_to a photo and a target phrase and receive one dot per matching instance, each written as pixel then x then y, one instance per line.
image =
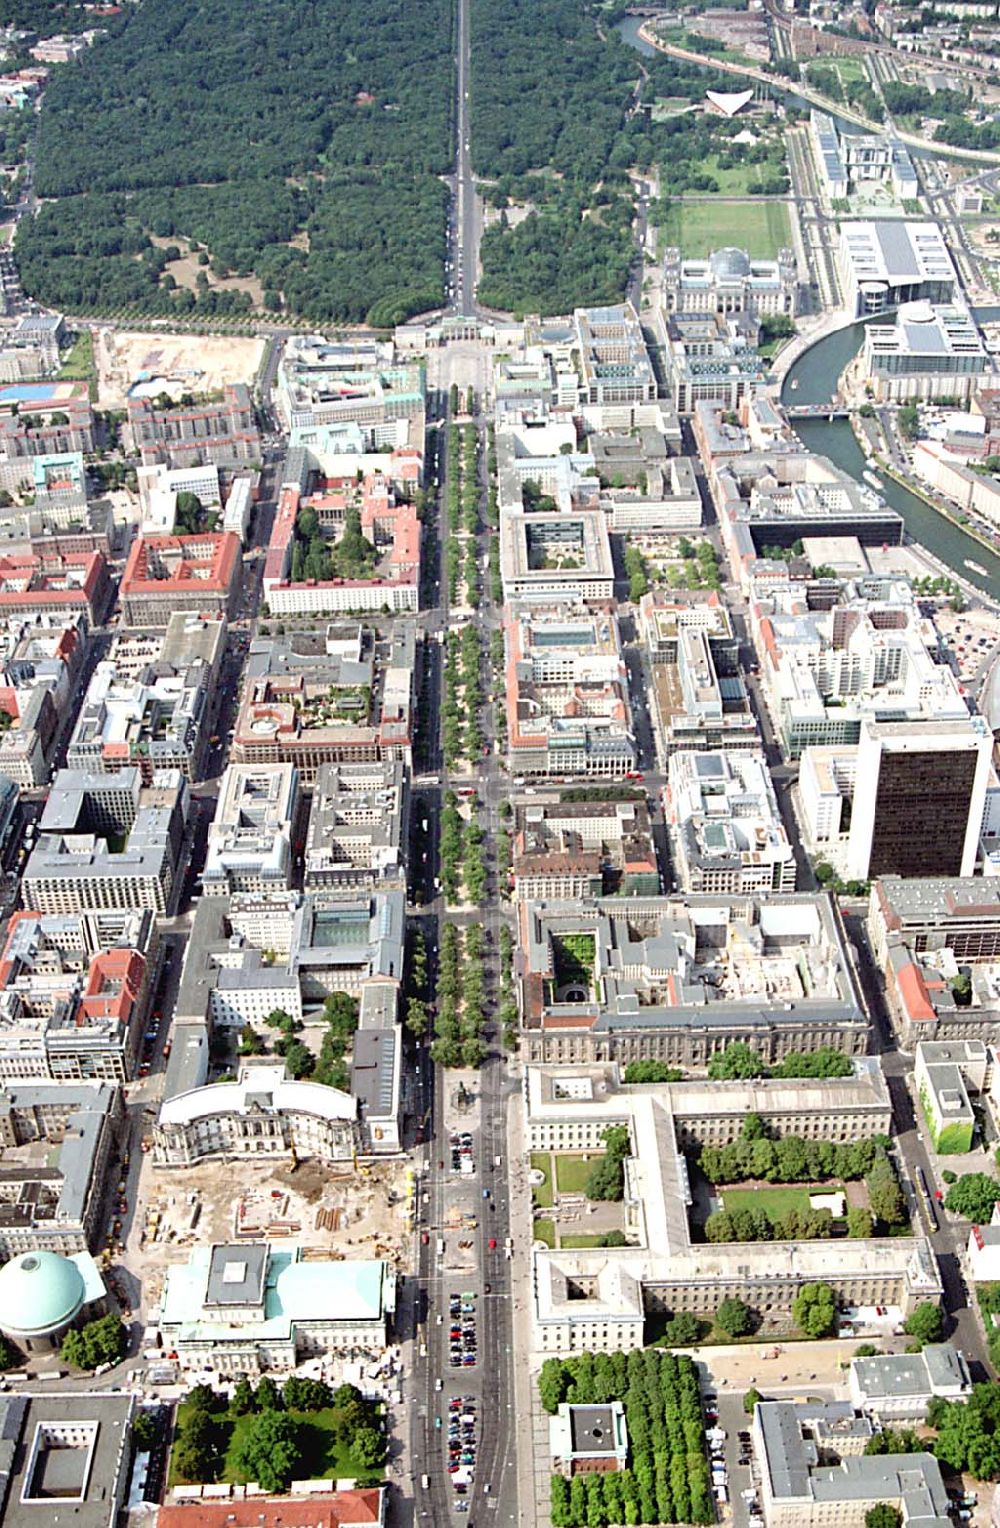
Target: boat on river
pixel 872 479
pixel 977 567
pixel 793 384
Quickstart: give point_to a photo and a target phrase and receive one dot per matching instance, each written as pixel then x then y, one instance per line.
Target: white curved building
pixel 265 1113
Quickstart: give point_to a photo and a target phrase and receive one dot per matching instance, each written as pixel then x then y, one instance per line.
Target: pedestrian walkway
pixel 532 1426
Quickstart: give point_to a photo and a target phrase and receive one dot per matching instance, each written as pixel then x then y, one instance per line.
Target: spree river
pixel 816 373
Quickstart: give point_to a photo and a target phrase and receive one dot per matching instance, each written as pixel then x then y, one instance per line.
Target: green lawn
pixel 761 228
pixel 732 181
pixel 775 1202
pixel 580 1241
pixel 572 1174
pixel 79 365
pixel 322 1457
pixel 544 1230
pixel 541 1194
pixel 850 69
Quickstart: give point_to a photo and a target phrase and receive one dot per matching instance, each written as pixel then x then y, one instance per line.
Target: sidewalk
pixel 532 1451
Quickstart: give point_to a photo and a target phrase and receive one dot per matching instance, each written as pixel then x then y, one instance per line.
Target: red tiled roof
pixel 344 1509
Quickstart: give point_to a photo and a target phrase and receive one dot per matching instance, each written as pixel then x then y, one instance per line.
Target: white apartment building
pixel 250 839
pixel 726 826
pixel 345 597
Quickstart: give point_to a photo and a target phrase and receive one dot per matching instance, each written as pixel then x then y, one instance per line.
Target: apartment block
pixel 328 382
pixel 726 826
pixel 581 849
pixel 814 1471
pixel 358 828
pixel 937 942
pixel 870 655
pixel 250 838
pixel 599 1298
pixel 677 979
pixel 73 995
pixel 156 718
pixel 50 418
pixel 224 433
pixel 107 841
pixel 165 574
pixel 699 700
pixel 333 696
pixel 614 363
pixel 41 661
pixel 921 810
pixel 568 710
pixel 59 1144
pixel 545 555
pixel 388 522
pixel 58 585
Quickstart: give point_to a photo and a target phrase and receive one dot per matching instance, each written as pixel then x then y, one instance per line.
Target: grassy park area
pixel 697 228
pixel 572 1173
pixel 323 1458
pixel 541 1193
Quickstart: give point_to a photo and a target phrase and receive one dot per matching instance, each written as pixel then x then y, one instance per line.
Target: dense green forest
pixel 238 128
pixel 560 114
pixel 47 17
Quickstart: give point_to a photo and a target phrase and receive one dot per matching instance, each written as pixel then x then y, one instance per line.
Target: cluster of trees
pixel 814 1310
pixel 191 517
pixel 733 1320
pixel 554 124
pixel 651 1071
pixel 103 1341
pixel 968 1432
pixel 794 1160
pixel 341 1014
pixel 905 99
pixel 924 1324
pixel 458 1023
pixel 418 990
pixel 462 734
pixel 508 1014
pixel 741 1061
pixel 606 1179
pixel 973 1196
pixel 668 1480
pixel 563 255
pixel 883 1515
pixel 462 507
pixel 452 846
pixel 699 570
pixel 637 573
pixel 696 140
pixel 270 1449
pixel 337 127
pixel 754 1224
pixel 353 556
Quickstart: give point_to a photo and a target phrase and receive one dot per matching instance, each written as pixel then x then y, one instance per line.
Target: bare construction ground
pixel 347 1212
pixel 186 363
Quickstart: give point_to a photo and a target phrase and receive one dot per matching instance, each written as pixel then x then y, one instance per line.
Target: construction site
pixel 335 1212
pixel 198 364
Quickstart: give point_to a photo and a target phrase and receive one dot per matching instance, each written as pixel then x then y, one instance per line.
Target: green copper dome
pixel 39 1293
